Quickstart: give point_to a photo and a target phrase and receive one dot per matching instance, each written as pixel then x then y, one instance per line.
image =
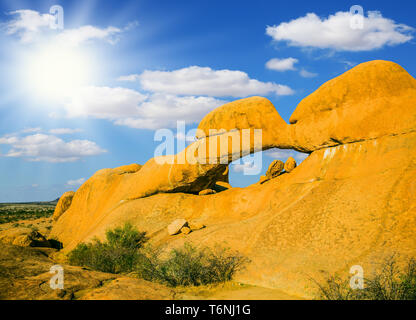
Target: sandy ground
pixel 25 275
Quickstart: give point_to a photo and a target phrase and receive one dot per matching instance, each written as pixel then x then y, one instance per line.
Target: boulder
pixel 262 179
pixel 196 226
pixel 290 164
pixel 275 168
pixel 176 226
pixel 32 239
pixel 185 230
pixel 207 192
pixel 63 204
pixel 254 112
pixel 222 186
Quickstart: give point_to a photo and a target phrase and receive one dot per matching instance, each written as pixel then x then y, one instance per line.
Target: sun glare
pixel 55 72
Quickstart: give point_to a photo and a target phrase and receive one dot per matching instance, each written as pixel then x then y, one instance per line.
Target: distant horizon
pixel 30 202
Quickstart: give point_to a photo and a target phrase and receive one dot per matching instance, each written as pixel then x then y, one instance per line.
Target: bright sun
pixel 55 72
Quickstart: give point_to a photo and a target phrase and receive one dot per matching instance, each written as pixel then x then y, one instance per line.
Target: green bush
pixel 390 283
pixel 124 251
pixel 189 266
pixel 118 254
pixel 127 237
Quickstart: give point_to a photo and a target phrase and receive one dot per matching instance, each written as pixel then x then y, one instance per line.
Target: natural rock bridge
pixel 351 201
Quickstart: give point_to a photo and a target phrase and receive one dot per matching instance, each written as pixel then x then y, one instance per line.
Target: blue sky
pixel 122 69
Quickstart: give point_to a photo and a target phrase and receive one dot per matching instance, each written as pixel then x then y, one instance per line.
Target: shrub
pixel 335 288
pixel 223 264
pixel 390 283
pixel 189 266
pixel 127 237
pixel 124 251
pixel 117 255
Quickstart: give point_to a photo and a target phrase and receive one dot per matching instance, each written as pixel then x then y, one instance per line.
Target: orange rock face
pixel 176 226
pixel 275 168
pixel 253 112
pixel 207 192
pixel 290 164
pixel 63 204
pixel 374 99
pixel 351 202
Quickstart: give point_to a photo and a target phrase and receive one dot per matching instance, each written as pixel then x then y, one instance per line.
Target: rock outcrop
pixel 352 201
pixel 222 186
pixel 186 230
pixel 290 164
pixel 275 168
pixel 207 192
pixel 32 239
pixel 196 226
pixel 30 280
pixel 262 179
pixel 254 112
pixel 372 100
pixel 28 233
pixel 63 204
pixel 176 226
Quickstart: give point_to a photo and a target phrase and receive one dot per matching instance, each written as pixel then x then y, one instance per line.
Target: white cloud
pixel 76 182
pixel 161 111
pixel 205 81
pixel 336 33
pixel 281 64
pixel 249 165
pixel 74 37
pixel 28 24
pixel 129 78
pixel 8 139
pixel 288 64
pixel 31 130
pixel 130 108
pixel 187 94
pixel 105 102
pixel 31 26
pixel 306 74
pixel 64 131
pixel 49 148
pixel 283 154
